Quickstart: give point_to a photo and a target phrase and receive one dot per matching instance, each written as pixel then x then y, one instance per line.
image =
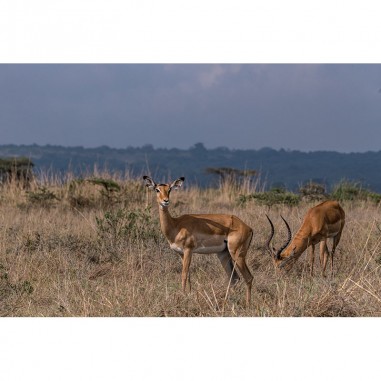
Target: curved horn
pixel 288 239
pixel 271 236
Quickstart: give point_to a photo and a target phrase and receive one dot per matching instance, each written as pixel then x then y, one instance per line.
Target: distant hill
pixel 277 167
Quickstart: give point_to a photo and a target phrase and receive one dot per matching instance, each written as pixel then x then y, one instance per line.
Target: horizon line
pixel 195 146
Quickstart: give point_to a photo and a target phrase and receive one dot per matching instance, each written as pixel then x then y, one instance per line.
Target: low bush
pixel 352 191
pixel 130 225
pixel 41 196
pixel 313 192
pixel 275 196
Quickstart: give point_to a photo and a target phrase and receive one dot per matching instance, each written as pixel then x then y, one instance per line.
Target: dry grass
pixel 81 251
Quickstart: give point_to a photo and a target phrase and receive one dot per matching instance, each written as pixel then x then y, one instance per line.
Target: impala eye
pixel 157 190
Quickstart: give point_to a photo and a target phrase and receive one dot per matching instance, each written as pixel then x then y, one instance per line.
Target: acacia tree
pixel 231 176
pixel 19 169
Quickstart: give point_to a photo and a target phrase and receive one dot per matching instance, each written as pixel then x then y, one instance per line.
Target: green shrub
pixel 351 191
pixel 313 191
pixel 108 186
pixel 19 169
pixel 41 196
pixel 79 195
pixel 272 197
pixel 130 225
pixel 375 197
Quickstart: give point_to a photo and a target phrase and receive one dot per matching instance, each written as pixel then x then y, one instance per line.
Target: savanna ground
pixel 94 248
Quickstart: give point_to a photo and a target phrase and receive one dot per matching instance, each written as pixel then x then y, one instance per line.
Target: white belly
pixel 201 249
pixel 176 248
pixel 210 249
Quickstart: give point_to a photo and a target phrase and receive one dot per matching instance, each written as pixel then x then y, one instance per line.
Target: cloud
pixel 212 75
pixel 239 106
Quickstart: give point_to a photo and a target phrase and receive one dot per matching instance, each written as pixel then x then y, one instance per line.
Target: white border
pixel 190 349
pixel 177 31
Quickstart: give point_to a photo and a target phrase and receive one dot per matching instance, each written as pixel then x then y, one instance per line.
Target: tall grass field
pixel 93 247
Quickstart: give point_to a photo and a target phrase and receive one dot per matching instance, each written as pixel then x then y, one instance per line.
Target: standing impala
pixel 223 234
pixel 321 222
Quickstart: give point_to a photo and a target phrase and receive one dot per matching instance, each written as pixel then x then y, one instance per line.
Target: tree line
pixel 288 169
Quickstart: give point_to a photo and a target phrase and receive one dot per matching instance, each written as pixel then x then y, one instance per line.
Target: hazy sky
pixel 305 107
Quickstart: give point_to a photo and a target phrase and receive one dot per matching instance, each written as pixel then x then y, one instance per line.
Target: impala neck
pixel 166 222
pixel 299 243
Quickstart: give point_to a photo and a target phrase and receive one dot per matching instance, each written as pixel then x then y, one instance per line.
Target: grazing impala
pixel 223 234
pixel 321 222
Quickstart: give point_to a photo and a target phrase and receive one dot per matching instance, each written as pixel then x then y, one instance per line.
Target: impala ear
pixel 177 183
pixel 149 182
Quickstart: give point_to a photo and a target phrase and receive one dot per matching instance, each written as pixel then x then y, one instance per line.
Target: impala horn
pixel 287 241
pixel 272 250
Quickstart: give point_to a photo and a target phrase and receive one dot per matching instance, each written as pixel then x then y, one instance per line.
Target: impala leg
pixel 336 241
pixel 332 252
pixel 228 265
pixel 323 255
pixel 239 258
pixel 244 270
pixel 187 257
pixel 189 281
pixel 312 259
pixel 238 245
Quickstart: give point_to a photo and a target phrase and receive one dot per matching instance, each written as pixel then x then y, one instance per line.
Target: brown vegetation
pixel 89 248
